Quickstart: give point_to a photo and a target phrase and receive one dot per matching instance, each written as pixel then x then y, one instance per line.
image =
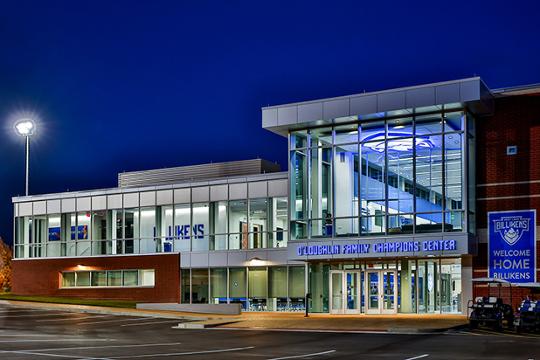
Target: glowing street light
pixel 25 127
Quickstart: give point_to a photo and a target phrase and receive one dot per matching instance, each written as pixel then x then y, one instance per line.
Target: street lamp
pixel 25 127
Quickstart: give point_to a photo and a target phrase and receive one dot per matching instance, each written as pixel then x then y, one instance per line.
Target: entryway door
pixel 381 291
pixel 345 291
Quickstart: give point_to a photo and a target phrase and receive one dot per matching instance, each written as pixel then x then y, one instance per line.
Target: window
pixel 199 227
pixel 258 225
pixel 182 225
pixel 395 175
pixel 218 225
pixel 218 286
pixel 130 277
pixel 148 230
pixel 108 278
pixel 238 225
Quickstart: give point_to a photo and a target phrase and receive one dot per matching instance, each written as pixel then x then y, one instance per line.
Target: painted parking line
pixel 304 355
pixel 24 352
pixel 52 340
pixel 153 322
pixel 75 318
pixel 21 310
pixel 184 353
pixel 110 321
pixel 418 357
pixel 103 347
pixel 35 315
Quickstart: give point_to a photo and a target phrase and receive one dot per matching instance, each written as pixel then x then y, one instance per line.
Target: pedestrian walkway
pixel 281 320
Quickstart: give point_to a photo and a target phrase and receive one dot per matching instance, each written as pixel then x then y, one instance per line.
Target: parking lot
pixel 30 333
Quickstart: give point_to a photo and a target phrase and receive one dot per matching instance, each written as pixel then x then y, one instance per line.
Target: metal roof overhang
pixel 471 93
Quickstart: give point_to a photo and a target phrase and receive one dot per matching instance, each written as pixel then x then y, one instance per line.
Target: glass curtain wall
pixel 236 224
pixel 260 288
pixel 379 177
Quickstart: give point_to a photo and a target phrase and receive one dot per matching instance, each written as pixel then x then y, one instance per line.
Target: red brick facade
pixel 42 277
pixel 516 121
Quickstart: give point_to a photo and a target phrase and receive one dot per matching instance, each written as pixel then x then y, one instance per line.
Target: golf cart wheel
pixel 498 326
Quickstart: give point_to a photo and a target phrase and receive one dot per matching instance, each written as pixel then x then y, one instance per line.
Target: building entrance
pixel 345 291
pixel 381 290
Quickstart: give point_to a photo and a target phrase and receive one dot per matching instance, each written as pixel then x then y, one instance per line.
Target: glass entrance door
pixel 345 292
pixel 381 290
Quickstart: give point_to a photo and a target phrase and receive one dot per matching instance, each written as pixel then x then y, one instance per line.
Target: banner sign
pixel 512 245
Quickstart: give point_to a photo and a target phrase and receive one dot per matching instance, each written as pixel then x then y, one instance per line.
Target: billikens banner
pixel 512 245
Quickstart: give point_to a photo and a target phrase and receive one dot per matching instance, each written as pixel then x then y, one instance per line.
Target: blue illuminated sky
pixel 130 85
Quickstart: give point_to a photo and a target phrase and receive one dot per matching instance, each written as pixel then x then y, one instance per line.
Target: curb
pixel 44 306
pixel 204 324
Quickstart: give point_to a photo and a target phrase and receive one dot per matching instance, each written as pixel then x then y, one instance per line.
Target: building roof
pixel 178 174
pixel 469 92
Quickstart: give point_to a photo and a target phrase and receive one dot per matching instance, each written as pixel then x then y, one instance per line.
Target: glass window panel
pixel 346 134
pixel 148 231
pixel 277 282
pixel 182 225
pixel 218 285
pixel 166 229
pixel 131 277
pixel 372 131
pixel 430 222
pixel 426 125
pixel 454 121
pixel 68 279
pixel 238 225
pixel 279 221
pixel 321 183
pixel 429 175
pixel 131 228
pixel 258 223
pixel 147 277
pixel 298 139
pixel 199 286
pixel 237 286
pixel 346 176
pixel 84 220
pixel 99 278
pixel 299 185
pixel 453 221
pixel 218 225
pixel 257 288
pixel 453 171
pixel 346 226
pixel 321 137
pixel 451 291
pixel 114 278
pixel 199 228
pixel 402 127
pixel 297 282
pixel 298 230
pixel 83 278
pixel 54 228
pixel 185 286
pixel 373 188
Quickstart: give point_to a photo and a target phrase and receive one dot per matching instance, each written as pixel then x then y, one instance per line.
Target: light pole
pixel 26 127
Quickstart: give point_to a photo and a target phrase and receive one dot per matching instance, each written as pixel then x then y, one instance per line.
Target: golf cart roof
pixel 490 280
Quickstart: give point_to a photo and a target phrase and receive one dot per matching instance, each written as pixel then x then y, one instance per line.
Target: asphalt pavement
pixel 29 333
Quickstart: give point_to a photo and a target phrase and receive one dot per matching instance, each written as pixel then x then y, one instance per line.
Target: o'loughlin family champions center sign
pixel 512 245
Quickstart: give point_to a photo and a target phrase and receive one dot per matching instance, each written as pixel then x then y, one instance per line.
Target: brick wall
pixel 42 277
pixel 516 121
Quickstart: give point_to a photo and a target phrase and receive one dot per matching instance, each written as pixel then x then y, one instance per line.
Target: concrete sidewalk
pixel 271 320
pixel 382 323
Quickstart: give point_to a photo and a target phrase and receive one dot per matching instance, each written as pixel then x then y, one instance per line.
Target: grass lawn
pixel 68 300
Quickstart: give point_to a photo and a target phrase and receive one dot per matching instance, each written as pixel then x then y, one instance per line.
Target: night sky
pixel 133 85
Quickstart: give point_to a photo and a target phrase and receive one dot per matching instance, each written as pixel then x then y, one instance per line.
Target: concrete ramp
pixel 222 309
